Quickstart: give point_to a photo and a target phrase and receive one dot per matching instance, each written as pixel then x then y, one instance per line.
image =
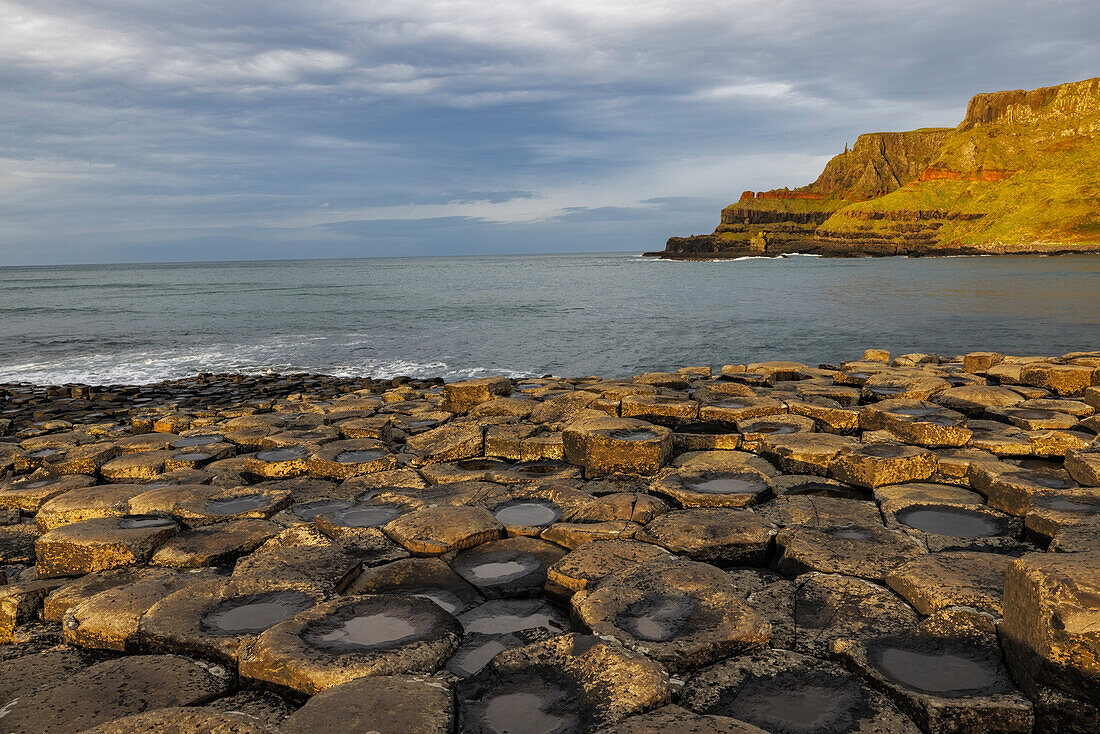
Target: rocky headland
pixel 1020 174
pixel 906 544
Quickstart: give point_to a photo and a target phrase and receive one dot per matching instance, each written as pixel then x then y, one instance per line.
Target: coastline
pixel 692 251
pixel 255 543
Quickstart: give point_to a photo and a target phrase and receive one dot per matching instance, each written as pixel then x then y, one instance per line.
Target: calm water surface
pixel 609 314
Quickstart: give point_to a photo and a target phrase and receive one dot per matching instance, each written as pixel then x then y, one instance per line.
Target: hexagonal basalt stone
pixel 461 397
pixel 730 409
pixel 809 510
pixel 86 459
pixel 433 531
pixel 808 484
pixel 590 563
pixel 570 683
pixel 1084 466
pixel 1015 491
pixel 108 619
pixel 114 689
pixel 785 691
pixel 280 462
pixel 214 545
pixel 211 619
pixel 344 459
pixel 20 603
pixel 162 500
pixel 709 488
pixel 397 704
pixel 917 422
pixel 1051 513
pixel 714 535
pixel 610 445
pixel 449 442
pixel 137 467
pixel 510 567
pixel 1051 626
pixel 804 453
pixel 682 613
pixel 830 606
pixel 329 567
pixel 755 430
pixel 658 407
pixel 479 468
pixel 866 551
pixel 875 464
pixel 896 497
pixel 1063 379
pixel 675 720
pixel 958 527
pixel 238 503
pixel 189 720
pixel 503 624
pixel 101 543
pixel 945 685
pixel 357 636
pixel 430 578
pixel 962 578
pixel 109 500
pixel 625 506
pixel 29 493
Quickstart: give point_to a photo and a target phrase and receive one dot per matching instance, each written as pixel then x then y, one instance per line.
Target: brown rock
pixel 962 578
pixel 433 531
pixel 875 464
pixel 114 689
pixel 214 545
pixel 721 536
pixel 683 613
pixel 101 543
pixel 610 445
pixel 591 562
pixel 351 638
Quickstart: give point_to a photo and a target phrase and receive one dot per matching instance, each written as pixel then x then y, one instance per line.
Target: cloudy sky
pixel 134 130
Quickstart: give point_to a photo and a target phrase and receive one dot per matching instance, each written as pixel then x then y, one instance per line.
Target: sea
pixel 609 314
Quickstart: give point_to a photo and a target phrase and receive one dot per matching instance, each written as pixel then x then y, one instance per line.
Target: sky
pixel 145 130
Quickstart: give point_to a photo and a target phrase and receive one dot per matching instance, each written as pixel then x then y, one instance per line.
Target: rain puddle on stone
pixel 284 454
pixel 133 523
pixel 446 600
pixel 309 510
pixel 1084 506
pixel 471 658
pixel 512 615
pixel 657 619
pixel 491 573
pixel 252 614
pixel 369 631
pixel 732 484
pixel 706 428
pixel 536 470
pixel 188 441
pixel 359 457
pixel 821 706
pixel 1047 480
pixel 955 522
pixel 526 713
pixel 939 673
pixel 850 533
pixel 480 464
pixel 731 404
pixel 528 513
pixel 193 456
pixel 632 434
pixel 771 428
pixel 234 505
pixel 42 453
pixel 886 390
pixel 366 516
pixel 821 489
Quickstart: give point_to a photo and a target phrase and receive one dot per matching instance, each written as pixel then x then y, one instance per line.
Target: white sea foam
pixel 144 367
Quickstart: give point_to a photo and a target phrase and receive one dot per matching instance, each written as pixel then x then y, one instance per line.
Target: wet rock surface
pixel 776 547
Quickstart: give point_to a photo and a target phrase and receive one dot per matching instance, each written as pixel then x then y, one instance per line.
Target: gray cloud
pixel 139 129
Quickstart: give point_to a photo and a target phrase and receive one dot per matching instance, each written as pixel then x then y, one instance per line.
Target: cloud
pixel 230 124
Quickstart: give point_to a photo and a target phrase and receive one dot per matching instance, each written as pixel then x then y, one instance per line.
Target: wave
pixel 278 356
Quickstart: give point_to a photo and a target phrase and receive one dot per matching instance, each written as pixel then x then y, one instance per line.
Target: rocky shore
pixel 891 544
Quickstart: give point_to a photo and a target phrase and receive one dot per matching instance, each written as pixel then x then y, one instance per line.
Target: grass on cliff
pixel 1054 198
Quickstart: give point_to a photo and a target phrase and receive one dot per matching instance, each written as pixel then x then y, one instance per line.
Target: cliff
pixel 1020 173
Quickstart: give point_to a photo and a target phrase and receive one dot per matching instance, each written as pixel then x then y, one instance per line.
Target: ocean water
pixel 609 314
